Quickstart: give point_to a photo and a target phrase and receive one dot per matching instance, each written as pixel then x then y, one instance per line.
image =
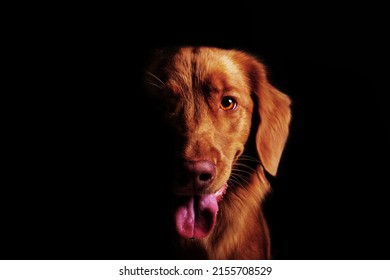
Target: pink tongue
pixel 195 216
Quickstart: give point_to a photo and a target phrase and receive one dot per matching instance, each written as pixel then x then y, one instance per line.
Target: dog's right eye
pixel 228 103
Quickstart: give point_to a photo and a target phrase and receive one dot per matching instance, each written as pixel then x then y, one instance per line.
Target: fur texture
pixel 230 126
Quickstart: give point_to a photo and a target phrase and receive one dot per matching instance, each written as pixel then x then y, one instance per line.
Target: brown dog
pixel 230 127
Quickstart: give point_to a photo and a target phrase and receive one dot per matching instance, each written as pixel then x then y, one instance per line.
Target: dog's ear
pixel 274 110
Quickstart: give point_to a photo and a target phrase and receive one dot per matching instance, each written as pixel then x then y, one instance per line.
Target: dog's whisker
pixel 244 166
pixel 248 158
pixel 240 180
pixel 153 84
pixel 236 182
pixel 243 172
pixel 157 78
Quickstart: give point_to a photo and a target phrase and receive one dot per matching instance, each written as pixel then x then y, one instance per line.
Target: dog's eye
pixel 228 103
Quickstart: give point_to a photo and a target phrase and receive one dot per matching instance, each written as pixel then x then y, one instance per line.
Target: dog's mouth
pixel 196 214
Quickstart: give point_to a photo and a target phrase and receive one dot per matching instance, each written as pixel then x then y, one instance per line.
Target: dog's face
pixel 215 100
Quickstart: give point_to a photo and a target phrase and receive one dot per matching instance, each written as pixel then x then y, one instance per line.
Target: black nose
pixel 199 174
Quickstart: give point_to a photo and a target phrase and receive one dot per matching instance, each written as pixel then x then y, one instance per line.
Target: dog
pixel 229 127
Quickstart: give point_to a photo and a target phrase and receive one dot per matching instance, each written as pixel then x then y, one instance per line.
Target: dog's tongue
pixel 196 215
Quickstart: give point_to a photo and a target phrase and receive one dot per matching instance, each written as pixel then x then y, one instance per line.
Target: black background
pixel 84 187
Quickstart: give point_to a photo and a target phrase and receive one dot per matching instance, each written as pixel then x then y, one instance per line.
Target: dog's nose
pixel 200 173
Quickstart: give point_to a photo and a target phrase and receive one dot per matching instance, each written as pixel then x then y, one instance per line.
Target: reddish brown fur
pixel 192 81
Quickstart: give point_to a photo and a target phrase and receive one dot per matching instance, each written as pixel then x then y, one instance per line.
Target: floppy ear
pixel 273 107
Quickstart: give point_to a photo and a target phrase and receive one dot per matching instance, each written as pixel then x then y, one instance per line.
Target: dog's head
pixel 228 122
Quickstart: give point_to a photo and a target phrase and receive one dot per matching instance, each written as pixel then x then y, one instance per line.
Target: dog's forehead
pixel 205 68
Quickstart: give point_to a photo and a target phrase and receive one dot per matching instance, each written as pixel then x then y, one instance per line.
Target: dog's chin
pixel 195 215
